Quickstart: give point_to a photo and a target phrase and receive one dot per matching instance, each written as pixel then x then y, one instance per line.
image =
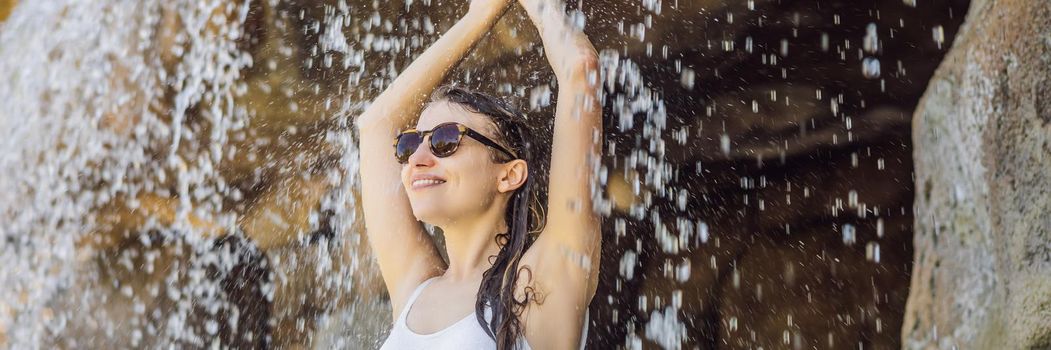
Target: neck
pixel 470 243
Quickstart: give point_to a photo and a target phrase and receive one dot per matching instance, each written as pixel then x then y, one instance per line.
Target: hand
pixel 488 6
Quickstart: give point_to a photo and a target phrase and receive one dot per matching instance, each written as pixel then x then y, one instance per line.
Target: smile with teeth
pixel 425 183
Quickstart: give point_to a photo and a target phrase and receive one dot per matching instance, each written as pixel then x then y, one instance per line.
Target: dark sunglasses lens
pixel 444 140
pixel 407 144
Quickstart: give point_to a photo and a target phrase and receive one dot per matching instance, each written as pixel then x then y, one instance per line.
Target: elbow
pixel 365 123
pixel 373 120
pixel 583 68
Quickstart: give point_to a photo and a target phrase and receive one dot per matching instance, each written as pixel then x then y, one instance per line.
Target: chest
pixel 439 307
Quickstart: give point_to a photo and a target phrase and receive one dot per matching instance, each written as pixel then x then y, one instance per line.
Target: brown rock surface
pixel 5 8
pixel 982 276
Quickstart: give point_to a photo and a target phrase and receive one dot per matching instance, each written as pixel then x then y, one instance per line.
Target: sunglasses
pixel 445 139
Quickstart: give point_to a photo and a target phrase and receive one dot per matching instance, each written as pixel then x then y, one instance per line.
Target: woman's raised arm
pixel 567 251
pixel 405 253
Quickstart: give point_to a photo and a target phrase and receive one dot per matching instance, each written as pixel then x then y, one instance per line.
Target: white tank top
pixel 464 334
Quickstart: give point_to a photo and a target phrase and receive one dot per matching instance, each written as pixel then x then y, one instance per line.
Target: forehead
pixel 443 112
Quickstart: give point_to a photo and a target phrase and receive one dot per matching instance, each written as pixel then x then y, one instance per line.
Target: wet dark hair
pixel 522 217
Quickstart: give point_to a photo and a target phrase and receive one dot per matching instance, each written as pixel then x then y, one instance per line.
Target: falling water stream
pixel 183 173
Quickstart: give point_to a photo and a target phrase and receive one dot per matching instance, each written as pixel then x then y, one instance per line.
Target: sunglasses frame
pixel 463 130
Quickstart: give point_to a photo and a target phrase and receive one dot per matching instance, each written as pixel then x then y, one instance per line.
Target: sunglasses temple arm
pixel 489 142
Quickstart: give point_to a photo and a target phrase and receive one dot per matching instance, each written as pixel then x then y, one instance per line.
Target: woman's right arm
pixel 405 253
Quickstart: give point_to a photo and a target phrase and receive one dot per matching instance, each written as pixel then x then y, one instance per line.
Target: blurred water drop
pixel 871 42
pixel 702 232
pixel 682 272
pixel 870 67
pixel 872 252
pixel 628 262
pixel 539 97
pixel 939 35
pixel 751 5
pixel 687 78
pixel 666 329
pixel 849 235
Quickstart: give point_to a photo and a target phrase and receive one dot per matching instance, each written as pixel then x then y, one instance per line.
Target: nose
pixel 423 156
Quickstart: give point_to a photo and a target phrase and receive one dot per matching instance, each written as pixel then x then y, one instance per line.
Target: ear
pixel 513 175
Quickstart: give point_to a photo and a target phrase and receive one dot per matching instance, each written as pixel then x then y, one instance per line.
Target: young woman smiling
pixel 468 167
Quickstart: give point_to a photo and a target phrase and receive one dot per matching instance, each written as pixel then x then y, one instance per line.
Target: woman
pixel 467 168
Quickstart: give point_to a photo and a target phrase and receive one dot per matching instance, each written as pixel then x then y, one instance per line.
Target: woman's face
pixel 469 182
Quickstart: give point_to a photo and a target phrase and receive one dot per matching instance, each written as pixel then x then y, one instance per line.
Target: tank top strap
pixel 412 299
pixel 584 332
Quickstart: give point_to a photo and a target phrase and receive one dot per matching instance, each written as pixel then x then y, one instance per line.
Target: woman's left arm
pixel 573 227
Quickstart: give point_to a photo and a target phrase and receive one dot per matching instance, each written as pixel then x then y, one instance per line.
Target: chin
pixel 430 215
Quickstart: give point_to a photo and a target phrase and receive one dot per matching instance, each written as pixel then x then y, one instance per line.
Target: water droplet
pixel 849 236
pixel 539 97
pixel 702 232
pixel 728 45
pixel 628 262
pixel 871 42
pixel 682 272
pixel 724 144
pixel 939 35
pixel 870 67
pixel 872 252
pixel 687 78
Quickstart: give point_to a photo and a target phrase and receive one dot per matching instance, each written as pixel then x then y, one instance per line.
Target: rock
pixel 982 275
pixel 5 8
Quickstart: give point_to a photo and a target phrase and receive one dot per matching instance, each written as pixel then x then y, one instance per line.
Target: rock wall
pixel 982 273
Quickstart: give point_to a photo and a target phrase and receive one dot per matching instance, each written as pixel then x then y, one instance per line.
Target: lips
pixel 426 181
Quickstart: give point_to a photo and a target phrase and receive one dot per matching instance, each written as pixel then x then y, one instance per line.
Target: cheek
pixel 482 183
pixel 404 175
pixel 474 178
